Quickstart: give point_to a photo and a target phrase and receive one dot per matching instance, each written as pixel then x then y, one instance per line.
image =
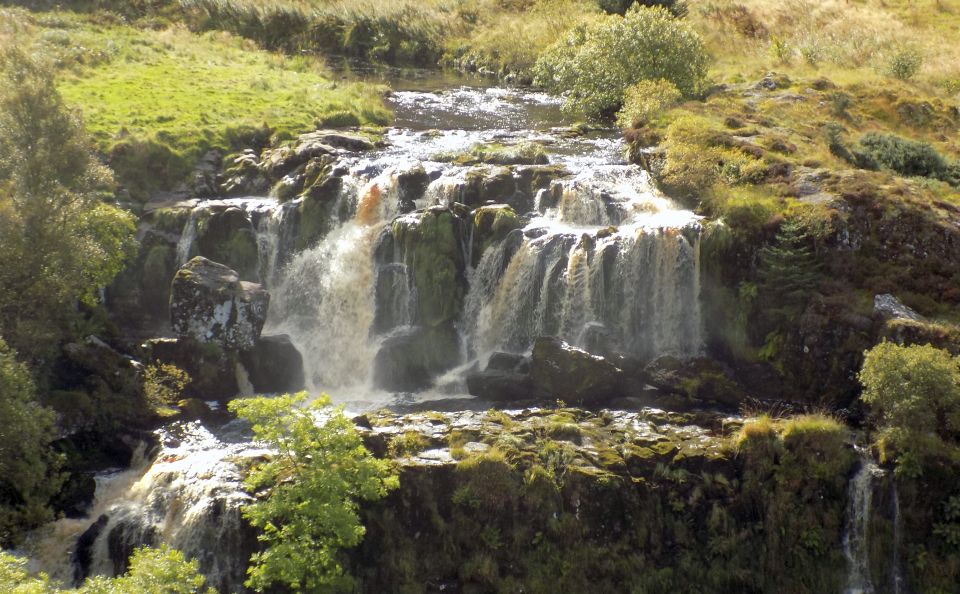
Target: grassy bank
pixel 156 99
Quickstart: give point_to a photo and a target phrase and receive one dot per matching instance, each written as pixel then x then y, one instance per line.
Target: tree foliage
pixel 914 392
pixel 316 479
pixel 599 60
pixel 152 571
pixel 28 467
pixel 59 241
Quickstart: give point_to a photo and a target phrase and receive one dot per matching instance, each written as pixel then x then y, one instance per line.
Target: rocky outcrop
pixel 209 304
pixel 274 365
pixel 573 375
pixel 410 358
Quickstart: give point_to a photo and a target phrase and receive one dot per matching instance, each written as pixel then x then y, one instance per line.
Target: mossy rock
pixel 492 224
pixel 430 244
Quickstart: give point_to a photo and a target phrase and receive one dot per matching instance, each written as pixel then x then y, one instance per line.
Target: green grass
pixel 155 100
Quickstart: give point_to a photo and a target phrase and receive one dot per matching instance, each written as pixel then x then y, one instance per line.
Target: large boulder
pixel 210 304
pixel 430 245
pixel 573 375
pixel 212 371
pixel 274 365
pixel 409 359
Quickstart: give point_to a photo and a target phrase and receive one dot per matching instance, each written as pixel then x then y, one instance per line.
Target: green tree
pixel 59 241
pixel 152 571
pixel 914 394
pixel 315 479
pixel 599 60
pixel 28 467
pixel 788 270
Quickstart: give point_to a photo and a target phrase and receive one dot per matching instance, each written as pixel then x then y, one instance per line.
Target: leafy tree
pixel 599 60
pixel 152 571
pixel 59 241
pixel 914 392
pixel 28 467
pixel 316 479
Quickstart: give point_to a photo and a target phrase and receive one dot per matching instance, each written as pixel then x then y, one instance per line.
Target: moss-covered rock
pixel 430 244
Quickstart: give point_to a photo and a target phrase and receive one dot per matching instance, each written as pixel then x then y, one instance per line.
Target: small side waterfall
pixel 856 540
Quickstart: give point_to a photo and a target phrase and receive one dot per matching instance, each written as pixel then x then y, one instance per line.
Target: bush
pixel 646 100
pixel 598 61
pixel 316 479
pixel 905 63
pixel 28 467
pixel 904 156
pixel 914 392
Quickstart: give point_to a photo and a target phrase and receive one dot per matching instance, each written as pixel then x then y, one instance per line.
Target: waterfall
pixel 188 236
pixel 856 536
pixel 898 578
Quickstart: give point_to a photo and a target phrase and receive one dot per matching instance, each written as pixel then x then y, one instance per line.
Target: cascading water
pixel 856 545
pixel 601 260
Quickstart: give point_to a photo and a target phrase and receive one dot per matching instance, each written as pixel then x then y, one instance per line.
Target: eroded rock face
pixel 209 304
pixel 573 375
pixel 411 358
pixel 889 307
pixel 274 365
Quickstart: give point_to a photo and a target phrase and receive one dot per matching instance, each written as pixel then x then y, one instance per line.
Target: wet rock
pixel 412 183
pixel 102 368
pixel 274 365
pixel 430 245
pixel 500 385
pixel 410 359
pixel 700 378
pixel 506 362
pixel 228 236
pixel 573 375
pixel 492 224
pixel 889 307
pixel 335 139
pixel 210 304
pixel 76 495
pixel 82 557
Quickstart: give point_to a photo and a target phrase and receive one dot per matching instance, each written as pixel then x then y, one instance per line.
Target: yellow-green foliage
pixel 646 100
pixel 152 571
pixel 408 443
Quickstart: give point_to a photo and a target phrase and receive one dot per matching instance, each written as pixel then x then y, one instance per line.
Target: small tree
pixel 315 481
pixel 598 61
pixel 914 392
pixel 28 467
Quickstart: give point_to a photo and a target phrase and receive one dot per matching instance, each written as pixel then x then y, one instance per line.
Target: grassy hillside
pixel 157 99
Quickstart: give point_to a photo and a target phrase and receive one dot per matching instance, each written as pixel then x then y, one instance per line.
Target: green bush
pixel 905 63
pixel 906 157
pixel 646 100
pixel 316 479
pixel 28 467
pixel 598 61
pixel 914 392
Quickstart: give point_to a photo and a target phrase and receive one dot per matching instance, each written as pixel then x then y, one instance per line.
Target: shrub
pixel 646 100
pixel 28 468
pixel 320 473
pixel 914 392
pixel 598 61
pixel 904 156
pixel 905 63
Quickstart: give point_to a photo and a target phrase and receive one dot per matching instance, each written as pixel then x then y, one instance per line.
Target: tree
pixel 316 478
pixel 599 60
pixel 28 467
pixel 59 241
pixel 914 393
pixel 152 571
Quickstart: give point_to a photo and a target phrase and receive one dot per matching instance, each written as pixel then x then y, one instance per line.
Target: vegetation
pixel 914 391
pixel 152 571
pixel 315 482
pixel 598 61
pixel 61 241
pixel 28 467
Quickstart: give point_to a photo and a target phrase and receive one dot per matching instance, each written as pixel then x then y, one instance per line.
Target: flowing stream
pixel 602 260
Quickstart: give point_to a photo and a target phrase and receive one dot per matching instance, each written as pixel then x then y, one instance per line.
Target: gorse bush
pixel 646 100
pixel 598 61
pixel 905 156
pixel 905 63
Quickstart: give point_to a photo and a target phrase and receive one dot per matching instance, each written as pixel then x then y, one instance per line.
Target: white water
pixel 636 286
pixel 856 545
